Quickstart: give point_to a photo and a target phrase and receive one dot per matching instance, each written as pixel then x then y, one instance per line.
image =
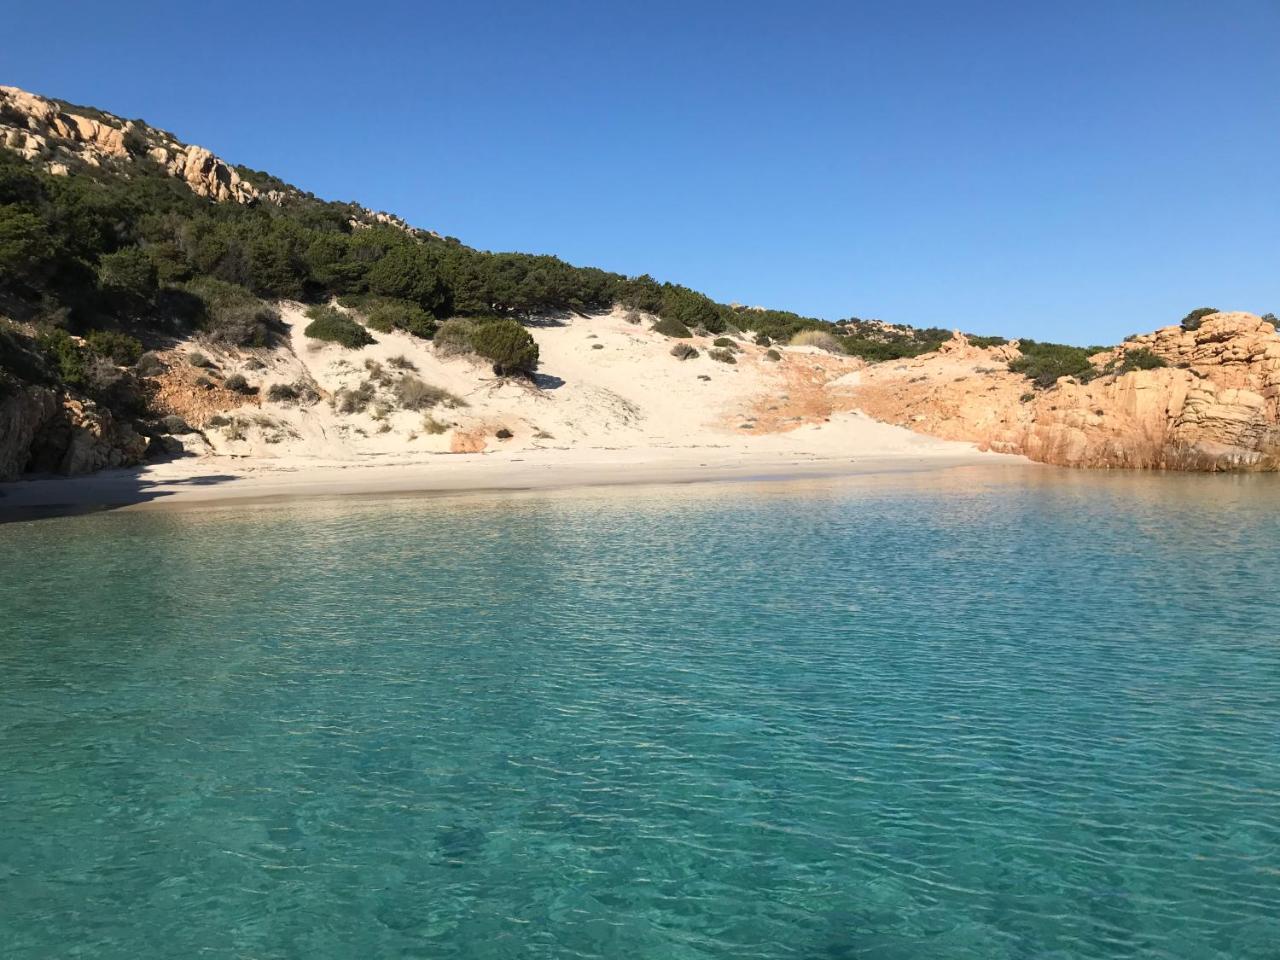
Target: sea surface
pixel 1006 713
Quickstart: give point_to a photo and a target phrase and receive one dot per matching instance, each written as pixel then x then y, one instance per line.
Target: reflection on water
pixel 980 713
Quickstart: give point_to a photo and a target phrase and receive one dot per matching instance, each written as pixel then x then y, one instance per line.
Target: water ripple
pixel 987 715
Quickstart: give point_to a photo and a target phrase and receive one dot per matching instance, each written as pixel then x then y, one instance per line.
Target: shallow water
pixel 987 714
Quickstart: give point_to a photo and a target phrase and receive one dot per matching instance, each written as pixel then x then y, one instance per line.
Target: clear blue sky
pixel 1074 171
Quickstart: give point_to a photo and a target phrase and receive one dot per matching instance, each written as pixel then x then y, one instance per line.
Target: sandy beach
pixel 216 480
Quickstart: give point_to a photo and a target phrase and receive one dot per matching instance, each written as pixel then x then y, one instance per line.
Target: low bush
pixel 237 383
pixel 1141 359
pixel 508 345
pixel 772 355
pixel 453 338
pixel 120 348
pixel 198 359
pixel 1196 317
pixel 724 342
pixel 175 424
pixel 386 315
pixel 1046 363
pixel 414 394
pixel 149 365
pixel 69 360
pixel 433 426
pixel 353 401
pixel 670 327
pixel 281 393
pixel 987 341
pixel 818 338
pixel 722 355
pixel 763 340
pixel 229 313
pixel 332 326
pixel 401 362
pixel 684 351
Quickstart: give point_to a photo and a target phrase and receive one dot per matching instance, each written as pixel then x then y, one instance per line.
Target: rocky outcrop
pixel 57 137
pixel 24 412
pixel 42 130
pixel 83 438
pixel 1216 406
pixel 41 432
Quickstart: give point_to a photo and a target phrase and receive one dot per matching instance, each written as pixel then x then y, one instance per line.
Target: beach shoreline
pixel 220 481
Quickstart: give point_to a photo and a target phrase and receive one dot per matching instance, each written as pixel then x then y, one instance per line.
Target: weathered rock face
pixel 23 414
pixel 83 437
pixel 42 433
pixel 43 132
pixel 1216 407
pixel 40 130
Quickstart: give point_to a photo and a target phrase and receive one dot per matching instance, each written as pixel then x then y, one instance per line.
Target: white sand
pixel 627 412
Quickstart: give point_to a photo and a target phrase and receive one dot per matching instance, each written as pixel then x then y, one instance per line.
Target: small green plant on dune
pixel 670 327
pixel 333 326
pixel 509 346
pixel 414 394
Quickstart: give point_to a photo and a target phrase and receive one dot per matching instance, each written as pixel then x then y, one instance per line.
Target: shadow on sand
pixel 35 497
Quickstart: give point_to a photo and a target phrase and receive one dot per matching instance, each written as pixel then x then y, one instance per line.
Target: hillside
pixel 157 301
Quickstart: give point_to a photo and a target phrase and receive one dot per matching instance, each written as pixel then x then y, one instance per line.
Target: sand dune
pixel 610 405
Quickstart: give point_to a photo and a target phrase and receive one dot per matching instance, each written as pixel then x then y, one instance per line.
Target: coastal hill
pixel 157 301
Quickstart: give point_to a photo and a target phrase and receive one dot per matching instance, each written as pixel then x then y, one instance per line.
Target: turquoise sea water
pixel 980 714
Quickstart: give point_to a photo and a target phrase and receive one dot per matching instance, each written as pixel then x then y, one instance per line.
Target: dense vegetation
pixel 135 253
pixel 1045 363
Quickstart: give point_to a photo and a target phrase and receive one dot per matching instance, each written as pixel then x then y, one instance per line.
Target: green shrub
pixel 387 315
pixel 281 393
pixel 772 355
pixel 724 342
pixel 1271 319
pixel 67 357
pixel 119 348
pixel 722 355
pixel 236 383
pixel 1141 359
pixel 401 362
pixel 453 338
pixel 198 359
pixel 128 272
pixel 1046 363
pixel 669 327
pixel 1196 317
pixel 987 341
pixel 763 340
pixel 509 345
pixel 684 351
pixel 690 309
pixel 333 326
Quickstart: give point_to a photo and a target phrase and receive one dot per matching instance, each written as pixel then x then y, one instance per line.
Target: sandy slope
pixel 610 405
